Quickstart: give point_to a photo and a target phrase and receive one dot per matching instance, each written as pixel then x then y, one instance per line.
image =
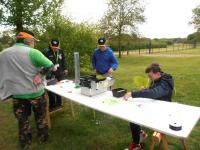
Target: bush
pixel 74 38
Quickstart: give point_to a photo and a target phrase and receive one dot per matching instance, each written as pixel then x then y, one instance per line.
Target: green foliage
pixel 122 14
pixel 194 37
pixel 6 40
pixel 73 37
pixel 121 17
pixel 44 18
pixel 1 47
pixel 196 17
pixel 27 13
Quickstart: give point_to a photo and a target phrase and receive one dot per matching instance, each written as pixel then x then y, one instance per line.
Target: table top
pixel 153 114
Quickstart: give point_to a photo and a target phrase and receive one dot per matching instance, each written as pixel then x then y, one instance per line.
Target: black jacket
pixel 56 58
pixel 161 89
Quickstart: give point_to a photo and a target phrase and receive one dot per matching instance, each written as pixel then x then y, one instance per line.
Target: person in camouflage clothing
pixel 22 78
pixel 22 110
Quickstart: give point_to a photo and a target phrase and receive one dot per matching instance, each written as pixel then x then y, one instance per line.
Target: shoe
pixel 134 146
pixel 52 109
pixel 42 139
pixel 25 146
pixel 143 136
pixel 59 107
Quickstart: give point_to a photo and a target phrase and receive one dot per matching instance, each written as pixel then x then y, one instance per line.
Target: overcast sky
pixel 164 18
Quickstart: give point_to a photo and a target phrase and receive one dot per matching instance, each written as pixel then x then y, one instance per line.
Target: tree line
pixel 119 25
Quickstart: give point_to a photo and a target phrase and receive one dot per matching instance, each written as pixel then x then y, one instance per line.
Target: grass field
pixel 82 133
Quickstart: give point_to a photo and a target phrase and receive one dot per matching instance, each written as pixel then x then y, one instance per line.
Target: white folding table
pixel 153 114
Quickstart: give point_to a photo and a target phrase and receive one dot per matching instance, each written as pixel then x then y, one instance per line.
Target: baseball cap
pixel 55 43
pixel 101 41
pixel 26 35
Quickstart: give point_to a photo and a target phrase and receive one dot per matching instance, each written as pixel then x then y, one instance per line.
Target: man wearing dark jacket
pixel 161 88
pixel 56 55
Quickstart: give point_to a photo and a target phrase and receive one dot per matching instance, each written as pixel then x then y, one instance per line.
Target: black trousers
pixel 54 100
pixel 135 131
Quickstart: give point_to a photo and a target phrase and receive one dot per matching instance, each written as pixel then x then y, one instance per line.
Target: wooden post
pixel 139 47
pixel 184 144
pixel 150 47
pixel 127 52
pixel 156 138
pixel 152 145
pixel 72 109
pixel 48 117
pixel 94 114
pixel 164 141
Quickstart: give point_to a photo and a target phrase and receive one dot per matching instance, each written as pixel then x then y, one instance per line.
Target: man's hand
pixel 65 72
pixel 127 96
pixel 55 68
pixel 94 71
pixel 37 79
pixel 110 71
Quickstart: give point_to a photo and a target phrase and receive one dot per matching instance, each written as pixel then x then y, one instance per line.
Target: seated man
pixel 161 88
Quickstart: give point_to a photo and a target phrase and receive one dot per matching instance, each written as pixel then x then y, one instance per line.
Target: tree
pixel 23 14
pixel 193 38
pixel 196 17
pixel 121 17
pixel 6 39
pixel 73 38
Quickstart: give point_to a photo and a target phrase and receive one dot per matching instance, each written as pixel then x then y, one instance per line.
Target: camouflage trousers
pixel 22 110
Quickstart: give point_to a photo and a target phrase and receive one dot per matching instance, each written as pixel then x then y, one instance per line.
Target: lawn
pixel 82 133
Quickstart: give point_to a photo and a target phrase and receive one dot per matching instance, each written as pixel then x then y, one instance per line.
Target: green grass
pixel 82 133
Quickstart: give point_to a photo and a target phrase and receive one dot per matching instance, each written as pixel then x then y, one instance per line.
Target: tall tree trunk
pixel 19 16
pixel 19 26
pixel 119 44
pixel 149 46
